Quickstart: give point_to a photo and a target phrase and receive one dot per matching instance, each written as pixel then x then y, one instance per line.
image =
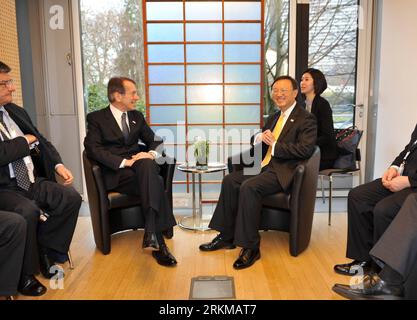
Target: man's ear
pixel 117 96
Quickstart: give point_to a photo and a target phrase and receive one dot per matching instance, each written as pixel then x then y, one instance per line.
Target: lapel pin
pixel 134 122
pixel 292 120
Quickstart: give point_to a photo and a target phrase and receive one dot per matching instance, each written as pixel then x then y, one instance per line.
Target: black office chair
pixel 341 171
pixel 291 212
pixel 112 212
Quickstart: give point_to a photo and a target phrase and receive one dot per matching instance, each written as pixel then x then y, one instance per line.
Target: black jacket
pixel 105 143
pixel 410 168
pixel 326 139
pixel 12 150
pixel 295 143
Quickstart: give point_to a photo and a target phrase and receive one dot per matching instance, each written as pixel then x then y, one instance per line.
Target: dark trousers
pixel 60 202
pixel 12 246
pixel 371 208
pixel 238 213
pixel 397 247
pixel 143 180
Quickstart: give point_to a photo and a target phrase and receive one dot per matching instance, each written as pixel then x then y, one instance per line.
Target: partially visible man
pixel 112 140
pixel 396 253
pixel 28 164
pixel 373 206
pixel 12 246
pixel 288 137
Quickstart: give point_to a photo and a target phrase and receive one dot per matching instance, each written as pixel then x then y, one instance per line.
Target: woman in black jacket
pixel 313 84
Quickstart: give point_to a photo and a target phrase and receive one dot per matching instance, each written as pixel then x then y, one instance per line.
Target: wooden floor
pixel 131 273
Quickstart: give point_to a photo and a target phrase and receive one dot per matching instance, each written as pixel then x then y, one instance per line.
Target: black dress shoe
pixel 217 243
pixel 47 266
pixel 247 257
pixel 150 241
pixel 164 257
pixel 356 266
pixel 30 286
pixel 169 233
pixel 372 288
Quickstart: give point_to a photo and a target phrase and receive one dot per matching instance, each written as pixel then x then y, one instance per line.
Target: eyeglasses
pixel 7 83
pixel 282 91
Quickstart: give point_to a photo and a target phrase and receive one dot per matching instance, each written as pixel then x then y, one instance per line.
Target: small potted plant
pixel 201 152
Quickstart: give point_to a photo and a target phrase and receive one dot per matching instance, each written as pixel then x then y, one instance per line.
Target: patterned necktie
pixel 125 128
pixel 276 132
pixel 19 166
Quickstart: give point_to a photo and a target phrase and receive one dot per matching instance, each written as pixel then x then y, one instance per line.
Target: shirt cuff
pixel 155 154
pixel 122 165
pixel 273 149
pixel 58 165
pixel 396 168
pixel 258 138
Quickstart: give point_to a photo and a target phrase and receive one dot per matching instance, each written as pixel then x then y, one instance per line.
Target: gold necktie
pixel 276 132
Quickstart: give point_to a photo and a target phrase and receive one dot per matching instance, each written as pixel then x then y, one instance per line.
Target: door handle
pixel 69 59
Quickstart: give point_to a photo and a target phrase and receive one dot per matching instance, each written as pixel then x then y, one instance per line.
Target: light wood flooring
pixel 128 272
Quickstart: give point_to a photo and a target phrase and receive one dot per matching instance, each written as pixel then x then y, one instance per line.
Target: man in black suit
pixel 112 140
pixel 28 165
pixel 396 253
pixel 373 206
pixel 288 138
pixel 12 246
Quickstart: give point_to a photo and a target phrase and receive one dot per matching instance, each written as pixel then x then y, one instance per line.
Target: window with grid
pixel 203 67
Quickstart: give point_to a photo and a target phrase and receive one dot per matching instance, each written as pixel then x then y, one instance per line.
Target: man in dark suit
pixel 396 253
pixel 12 246
pixel 288 137
pixel 28 164
pixel 373 206
pixel 112 140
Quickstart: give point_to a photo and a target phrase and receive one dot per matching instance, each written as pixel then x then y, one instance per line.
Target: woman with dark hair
pixel 313 83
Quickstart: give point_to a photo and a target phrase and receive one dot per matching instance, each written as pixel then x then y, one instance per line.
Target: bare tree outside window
pixel 276 46
pixel 112 45
pixel 332 49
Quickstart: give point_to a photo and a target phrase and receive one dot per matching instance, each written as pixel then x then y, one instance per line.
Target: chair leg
pixel 71 263
pixel 322 189
pixel 330 199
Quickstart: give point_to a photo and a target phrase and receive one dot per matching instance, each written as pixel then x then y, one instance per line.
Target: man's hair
pixel 320 83
pixel 293 82
pixel 4 68
pixel 116 85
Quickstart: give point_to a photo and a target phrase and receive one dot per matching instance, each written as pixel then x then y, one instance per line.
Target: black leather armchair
pixel 292 212
pixel 112 212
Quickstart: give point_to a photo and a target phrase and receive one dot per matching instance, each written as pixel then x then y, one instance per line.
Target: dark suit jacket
pixel 326 138
pixel 12 150
pixel 410 169
pixel 295 143
pixel 105 143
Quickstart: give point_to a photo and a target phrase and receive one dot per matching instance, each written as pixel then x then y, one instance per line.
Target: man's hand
pixel 129 163
pixel 389 174
pixel 268 138
pixel 143 155
pixel 397 184
pixel 65 174
pixel 30 138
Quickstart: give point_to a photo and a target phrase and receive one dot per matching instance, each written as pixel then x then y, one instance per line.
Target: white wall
pixel 397 100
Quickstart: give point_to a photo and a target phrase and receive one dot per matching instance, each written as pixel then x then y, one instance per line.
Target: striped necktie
pixel 19 166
